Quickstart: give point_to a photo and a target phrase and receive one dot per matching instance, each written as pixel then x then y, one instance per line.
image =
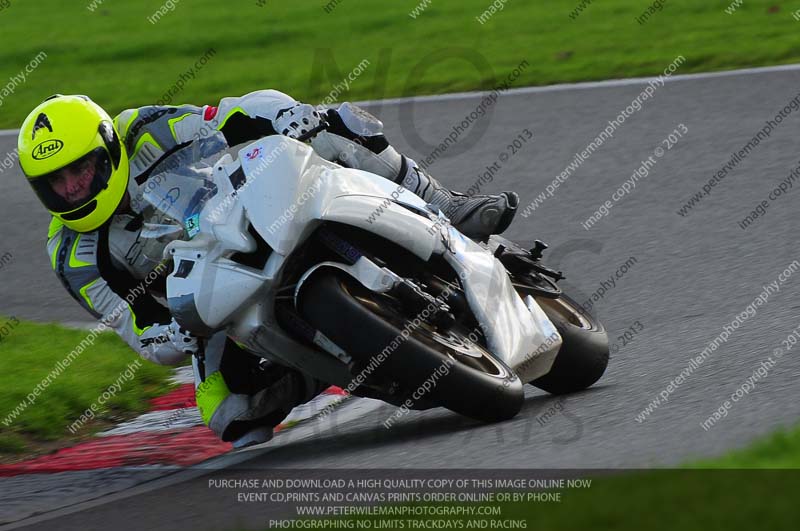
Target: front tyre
pixel 366 325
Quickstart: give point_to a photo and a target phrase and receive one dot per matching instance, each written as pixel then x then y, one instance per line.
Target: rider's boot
pixel 475 215
pixel 354 139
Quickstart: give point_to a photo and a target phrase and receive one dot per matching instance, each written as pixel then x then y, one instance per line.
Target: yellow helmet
pixel 68 136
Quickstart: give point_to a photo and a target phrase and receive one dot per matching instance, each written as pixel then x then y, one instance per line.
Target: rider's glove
pixel 168 344
pixel 182 339
pixel 297 120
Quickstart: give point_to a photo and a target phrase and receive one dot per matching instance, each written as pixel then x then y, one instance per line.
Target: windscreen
pixel 175 193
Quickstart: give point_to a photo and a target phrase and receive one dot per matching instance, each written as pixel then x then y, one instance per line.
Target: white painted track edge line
pixel 583 85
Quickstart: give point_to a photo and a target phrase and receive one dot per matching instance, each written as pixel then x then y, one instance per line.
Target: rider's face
pixel 73 183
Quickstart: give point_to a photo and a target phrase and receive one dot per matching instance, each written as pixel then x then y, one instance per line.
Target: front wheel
pixel 583 356
pixel 450 367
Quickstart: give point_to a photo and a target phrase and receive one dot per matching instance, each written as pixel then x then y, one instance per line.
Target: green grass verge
pixel 122 60
pixel 653 501
pixel 29 352
pixel 752 488
pixel 780 450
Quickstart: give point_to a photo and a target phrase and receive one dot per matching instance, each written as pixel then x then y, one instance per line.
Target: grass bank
pixel 126 54
pixel 49 381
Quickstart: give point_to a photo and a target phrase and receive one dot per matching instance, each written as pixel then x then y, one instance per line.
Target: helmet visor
pixel 76 184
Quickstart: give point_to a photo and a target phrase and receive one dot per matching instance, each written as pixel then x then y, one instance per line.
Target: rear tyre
pixel 583 356
pixel 371 328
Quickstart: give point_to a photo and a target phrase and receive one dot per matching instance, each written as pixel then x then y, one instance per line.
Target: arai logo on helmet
pixel 46 149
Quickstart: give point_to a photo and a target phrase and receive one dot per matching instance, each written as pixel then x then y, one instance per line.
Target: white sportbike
pixel 347 277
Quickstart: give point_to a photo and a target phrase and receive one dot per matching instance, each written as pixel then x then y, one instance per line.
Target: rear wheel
pixel 428 364
pixel 583 356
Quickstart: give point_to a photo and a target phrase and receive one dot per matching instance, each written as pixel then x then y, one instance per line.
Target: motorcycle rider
pixel 87 169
